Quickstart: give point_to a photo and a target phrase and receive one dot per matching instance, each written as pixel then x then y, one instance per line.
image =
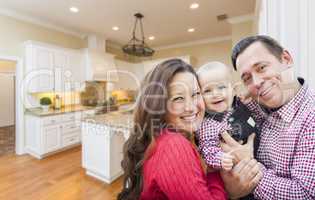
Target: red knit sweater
pixel 174 172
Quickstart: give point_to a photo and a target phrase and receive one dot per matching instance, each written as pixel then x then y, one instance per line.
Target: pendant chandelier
pixel 138 47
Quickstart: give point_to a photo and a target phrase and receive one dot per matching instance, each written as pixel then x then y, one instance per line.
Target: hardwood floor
pixel 7 140
pixel 57 177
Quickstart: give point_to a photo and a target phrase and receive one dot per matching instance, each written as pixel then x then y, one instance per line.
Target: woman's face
pixel 185 106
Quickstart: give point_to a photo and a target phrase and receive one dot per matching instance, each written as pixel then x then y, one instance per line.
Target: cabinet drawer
pixel 71 127
pixel 88 113
pixel 53 120
pixel 70 140
pixel 71 117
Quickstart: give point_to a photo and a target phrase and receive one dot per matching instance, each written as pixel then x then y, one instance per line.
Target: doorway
pixel 7 107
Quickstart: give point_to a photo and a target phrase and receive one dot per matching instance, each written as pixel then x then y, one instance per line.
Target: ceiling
pixel 167 20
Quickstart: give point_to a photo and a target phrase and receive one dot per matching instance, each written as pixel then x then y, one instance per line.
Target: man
pixel 287 140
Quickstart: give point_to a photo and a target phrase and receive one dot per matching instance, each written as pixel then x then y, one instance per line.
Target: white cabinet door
pixel 42 78
pixel 75 70
pixel 51 138
pixel 60 63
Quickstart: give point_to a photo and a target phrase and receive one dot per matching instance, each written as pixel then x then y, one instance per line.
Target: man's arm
pixel 301 184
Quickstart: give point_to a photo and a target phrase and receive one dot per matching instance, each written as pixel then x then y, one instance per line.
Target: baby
pixel 224 112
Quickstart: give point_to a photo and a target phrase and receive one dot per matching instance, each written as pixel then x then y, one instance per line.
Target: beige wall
pixel 201 54
pixel 14 32
pixel 241 30
pixel 7 66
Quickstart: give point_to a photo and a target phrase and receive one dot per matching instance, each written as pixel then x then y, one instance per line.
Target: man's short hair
pixel 271 44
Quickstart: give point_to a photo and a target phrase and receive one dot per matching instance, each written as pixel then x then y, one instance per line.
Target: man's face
pixel 263 75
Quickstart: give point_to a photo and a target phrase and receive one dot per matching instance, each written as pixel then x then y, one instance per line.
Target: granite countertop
pixel 117 119
pixel 67 109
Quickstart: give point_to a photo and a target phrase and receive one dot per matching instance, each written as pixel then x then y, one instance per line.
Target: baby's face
pixel 216 89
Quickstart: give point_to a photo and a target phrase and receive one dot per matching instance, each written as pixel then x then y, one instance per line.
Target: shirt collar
pixel 217 116
pixel 288 111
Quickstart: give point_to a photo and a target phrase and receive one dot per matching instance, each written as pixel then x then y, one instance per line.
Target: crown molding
pixel 196 42
pixel 42 23
pixel 240 19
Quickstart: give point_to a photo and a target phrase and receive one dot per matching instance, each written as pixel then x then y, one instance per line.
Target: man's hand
pixel 239 151
pixel 242 179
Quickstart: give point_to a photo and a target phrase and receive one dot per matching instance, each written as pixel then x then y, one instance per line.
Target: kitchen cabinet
pixel 48 134
pixel 74 71
pixel 51 138
pixel 60 63
pixel 103 137
pixel 39 68
pixel 53 69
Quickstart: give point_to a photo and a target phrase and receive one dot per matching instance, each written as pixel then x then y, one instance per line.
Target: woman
pixel 160 157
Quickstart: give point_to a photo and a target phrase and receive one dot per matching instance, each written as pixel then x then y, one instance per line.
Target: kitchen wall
pixel 241 30
pixel 7 66
pixel 14 32
pixel 201 53
pixel 67 98
pixel 7 100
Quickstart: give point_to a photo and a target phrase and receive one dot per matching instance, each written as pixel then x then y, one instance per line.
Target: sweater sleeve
pixel 180 174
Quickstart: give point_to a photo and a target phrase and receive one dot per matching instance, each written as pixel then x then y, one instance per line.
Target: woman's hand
pixel 234 148
pixel 242 179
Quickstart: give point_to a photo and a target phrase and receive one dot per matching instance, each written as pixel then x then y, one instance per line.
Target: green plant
pixel 45 101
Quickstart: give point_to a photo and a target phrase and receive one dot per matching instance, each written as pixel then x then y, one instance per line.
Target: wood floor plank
pixel 57 177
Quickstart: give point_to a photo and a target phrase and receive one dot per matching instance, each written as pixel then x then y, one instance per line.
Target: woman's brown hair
pixel 148 122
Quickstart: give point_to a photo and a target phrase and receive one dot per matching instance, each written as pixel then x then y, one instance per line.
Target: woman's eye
pixel 178 99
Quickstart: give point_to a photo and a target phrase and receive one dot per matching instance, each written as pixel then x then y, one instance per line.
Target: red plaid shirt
pixel 208 137
pixel 287 150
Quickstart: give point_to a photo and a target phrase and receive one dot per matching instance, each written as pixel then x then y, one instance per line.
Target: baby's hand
pixel 227 161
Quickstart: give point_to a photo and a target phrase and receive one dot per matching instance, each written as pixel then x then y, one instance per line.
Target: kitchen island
pixel 103 137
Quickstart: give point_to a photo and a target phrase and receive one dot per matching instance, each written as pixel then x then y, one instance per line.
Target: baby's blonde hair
pixel 211 65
